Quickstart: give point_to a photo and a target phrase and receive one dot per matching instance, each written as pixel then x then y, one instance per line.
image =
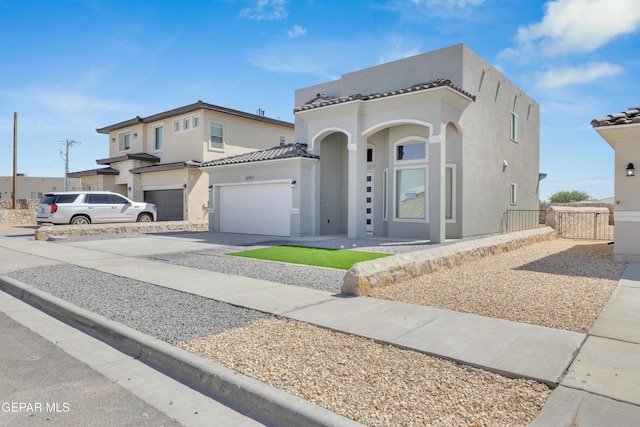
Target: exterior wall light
pixel 293 184
pixel 631 171
pixel 210 188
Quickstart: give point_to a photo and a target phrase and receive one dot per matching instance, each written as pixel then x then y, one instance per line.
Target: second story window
pixel 158 138
pixel 514 127
pixel 196 121
pixel 216 140
pixel 124 141
pixel 187 124
pixel 176 126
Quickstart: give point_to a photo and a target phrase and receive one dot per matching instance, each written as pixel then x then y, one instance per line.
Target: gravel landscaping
pixel 321 278
pixel 561 284
pixel 374 384
pixel 167 314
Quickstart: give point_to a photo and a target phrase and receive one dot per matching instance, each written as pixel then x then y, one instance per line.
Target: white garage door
pixel 256 209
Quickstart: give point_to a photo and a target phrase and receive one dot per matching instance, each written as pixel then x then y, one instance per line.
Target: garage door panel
pixel 169 203
pixel 256 209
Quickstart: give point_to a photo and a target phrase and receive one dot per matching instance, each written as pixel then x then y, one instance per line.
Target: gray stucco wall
pixel 302 170
pixel 476 138
pixel 487 144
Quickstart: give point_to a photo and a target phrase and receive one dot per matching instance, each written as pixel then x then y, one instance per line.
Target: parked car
pixel 92 207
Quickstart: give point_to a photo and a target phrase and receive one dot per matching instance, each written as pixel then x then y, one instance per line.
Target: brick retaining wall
pixel 368 275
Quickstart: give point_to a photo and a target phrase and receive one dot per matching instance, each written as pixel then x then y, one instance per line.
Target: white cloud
pixel 296 31
pixel 449 3
pixel 560 77
pixel 268 10
pixel 576 26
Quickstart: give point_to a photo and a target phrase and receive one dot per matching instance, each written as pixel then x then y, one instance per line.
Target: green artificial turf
pixel 334 258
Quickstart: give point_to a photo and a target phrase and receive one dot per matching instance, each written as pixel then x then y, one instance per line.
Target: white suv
pixel 86 207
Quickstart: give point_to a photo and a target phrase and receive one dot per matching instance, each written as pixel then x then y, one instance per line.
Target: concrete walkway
pixel 602 385
pixel 510 348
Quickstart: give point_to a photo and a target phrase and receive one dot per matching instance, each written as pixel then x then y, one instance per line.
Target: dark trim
pixel 187 109
pixel 91 172
pixel 191 164
pixel 133 156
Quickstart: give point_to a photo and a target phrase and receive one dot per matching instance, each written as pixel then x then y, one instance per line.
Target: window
pixel 410 179
pixel 176 126
pixel 124 141
pixel 514 127
pixel 413 151
pixel 196 122
pixel 410 193
pixel 283 140
pixel 158 138
pixel 449 193
pixel 94 187
pixel 371 153
pixel 514 194
pixel 385 192
pixel 187 124
pixel 216 141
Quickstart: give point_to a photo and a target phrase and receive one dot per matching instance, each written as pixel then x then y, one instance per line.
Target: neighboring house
pixel 435 146
pixel 32 187
pixel 156 158
pixel 622 133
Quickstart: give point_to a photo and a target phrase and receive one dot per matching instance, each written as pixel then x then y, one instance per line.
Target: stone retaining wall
pixel 368 275
pixel 25 214
pixel 46 232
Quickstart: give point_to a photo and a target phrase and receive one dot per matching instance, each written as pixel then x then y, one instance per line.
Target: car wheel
pixel 80 220
pixel 145 217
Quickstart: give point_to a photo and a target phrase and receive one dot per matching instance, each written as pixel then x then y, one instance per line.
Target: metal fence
pixel 519 220
pixel 569 225
pixel 585 225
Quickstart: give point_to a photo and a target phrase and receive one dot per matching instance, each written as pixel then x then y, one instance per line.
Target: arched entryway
pixel 333 184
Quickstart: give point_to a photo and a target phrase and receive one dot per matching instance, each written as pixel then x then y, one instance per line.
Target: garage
pixel 170 203
pixel 255 208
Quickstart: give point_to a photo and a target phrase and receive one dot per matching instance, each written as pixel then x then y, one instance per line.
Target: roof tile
pixel 322 100
pixel 275 153
pixel 632 115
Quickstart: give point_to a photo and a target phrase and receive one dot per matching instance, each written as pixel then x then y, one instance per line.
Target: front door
pixel 369 204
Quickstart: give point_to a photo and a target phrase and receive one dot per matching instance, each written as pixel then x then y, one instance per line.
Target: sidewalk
pixel 508 348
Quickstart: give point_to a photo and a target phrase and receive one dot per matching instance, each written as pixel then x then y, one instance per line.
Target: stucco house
pixel 434 146
pixel 33 187
pixel 622 133
pixel 157 158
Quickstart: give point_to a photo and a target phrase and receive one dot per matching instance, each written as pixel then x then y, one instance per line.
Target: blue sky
pixel 71 66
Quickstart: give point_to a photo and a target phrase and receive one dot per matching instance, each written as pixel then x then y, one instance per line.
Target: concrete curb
pixel 260 401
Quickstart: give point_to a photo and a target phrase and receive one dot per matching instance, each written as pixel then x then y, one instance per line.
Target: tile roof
pixel 625 118
pixel 187 109
pixel 286 151
pixel 322 100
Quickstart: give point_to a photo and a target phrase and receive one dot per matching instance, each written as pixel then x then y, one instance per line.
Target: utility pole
pixel 68 143
pixel 15 158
